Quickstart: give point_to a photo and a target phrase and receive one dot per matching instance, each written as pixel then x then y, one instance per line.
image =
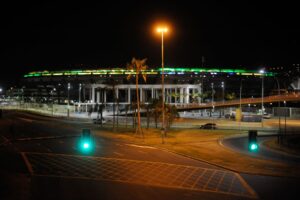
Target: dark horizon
pixel 42 36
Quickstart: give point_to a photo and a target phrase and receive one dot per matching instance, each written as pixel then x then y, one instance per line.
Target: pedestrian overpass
pixel 292 97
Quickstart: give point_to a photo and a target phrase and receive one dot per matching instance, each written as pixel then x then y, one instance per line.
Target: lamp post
pixel 223 91
pixel 162 30
pixel 212 96
pixel 69 87
pixel 279 123
pixel 52 94
pixel 223 95
pixel 79 93
pixel 212 102
pixel 262 96
pixel 241 113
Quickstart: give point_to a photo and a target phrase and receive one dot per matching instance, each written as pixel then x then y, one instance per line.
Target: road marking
pixel 119 154
pixel 138 146
pixel 46 137
pixel 28 165
pixel 5 140
pixel 25 119
pixel 142 152
pixel 49 150
pixel 151 173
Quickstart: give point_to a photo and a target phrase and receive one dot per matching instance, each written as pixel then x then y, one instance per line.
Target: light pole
pixel 162 30
pixel 223 91
pixel 241 113
pixel 79 93
pixel 52 93
pixel 212 103
pixel 262 96
pixel 69 87
pixel 279 123
pixel 223 95
pixel 212 96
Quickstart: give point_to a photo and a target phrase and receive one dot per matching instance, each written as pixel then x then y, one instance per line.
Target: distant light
pixel 262 71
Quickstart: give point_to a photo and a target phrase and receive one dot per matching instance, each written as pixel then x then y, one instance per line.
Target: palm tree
pixel 230 96
pixel 155 109
pixel 139 66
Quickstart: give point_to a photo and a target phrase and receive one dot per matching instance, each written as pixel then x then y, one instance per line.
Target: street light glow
pixel 162 29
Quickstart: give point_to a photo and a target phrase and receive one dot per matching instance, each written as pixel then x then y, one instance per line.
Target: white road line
pixel 142 152
pixel 29 167
pixel 119 154
pixel 24 119
pixel 138 146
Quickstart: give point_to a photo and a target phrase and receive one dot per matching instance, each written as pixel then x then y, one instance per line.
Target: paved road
pixel 240 144
pixel 43 162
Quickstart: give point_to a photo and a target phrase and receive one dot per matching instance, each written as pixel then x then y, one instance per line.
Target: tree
pixel 155 109
pixel 230 96
pixel 171 114
pixel 139 66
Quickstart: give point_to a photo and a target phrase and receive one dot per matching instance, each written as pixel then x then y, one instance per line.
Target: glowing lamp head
pixel 262 71
pixel 162 29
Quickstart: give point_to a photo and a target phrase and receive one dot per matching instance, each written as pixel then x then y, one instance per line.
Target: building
pixel 111 86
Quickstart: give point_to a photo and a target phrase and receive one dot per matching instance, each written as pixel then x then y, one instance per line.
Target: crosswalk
pixel 138 172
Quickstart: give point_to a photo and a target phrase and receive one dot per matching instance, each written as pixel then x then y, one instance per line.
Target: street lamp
pixel 223 93
pixel 162 30
pixel 212 96
pixel 241 112
pixel 69 87
pixel 79 93
pixel 262 95
pixel 52 93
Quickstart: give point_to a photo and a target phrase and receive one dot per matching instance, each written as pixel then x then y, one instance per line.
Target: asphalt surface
pixel 41 160
pixel 240 144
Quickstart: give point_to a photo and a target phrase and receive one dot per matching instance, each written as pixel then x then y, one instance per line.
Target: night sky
pixel 58 36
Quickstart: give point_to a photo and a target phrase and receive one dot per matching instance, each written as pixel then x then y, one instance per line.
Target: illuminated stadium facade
pixel 108 86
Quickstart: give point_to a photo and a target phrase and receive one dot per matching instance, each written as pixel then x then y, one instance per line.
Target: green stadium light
pixel 119 71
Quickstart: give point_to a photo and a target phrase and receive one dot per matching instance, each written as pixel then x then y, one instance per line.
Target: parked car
pixel 267 116
pixel 208 126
